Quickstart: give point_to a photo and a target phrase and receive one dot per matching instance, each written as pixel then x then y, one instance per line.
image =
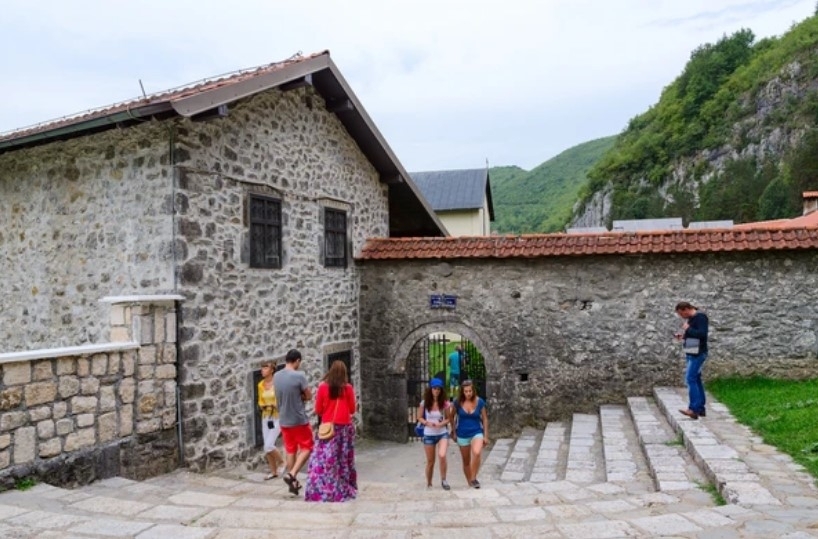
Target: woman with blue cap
pixel 435 417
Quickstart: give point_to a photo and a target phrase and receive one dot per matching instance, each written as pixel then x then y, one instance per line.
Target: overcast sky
pixel 450 83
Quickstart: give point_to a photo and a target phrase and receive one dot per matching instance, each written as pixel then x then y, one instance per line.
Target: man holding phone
pixel 694 342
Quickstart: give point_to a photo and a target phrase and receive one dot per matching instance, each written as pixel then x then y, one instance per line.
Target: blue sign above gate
pixel 442 301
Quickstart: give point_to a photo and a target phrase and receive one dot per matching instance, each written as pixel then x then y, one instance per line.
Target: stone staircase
pixel 628 471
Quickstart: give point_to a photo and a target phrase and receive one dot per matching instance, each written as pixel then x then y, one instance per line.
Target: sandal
pixel 270 476
pixel 292 483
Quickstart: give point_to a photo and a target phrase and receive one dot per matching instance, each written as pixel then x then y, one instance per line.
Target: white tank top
pixel 434 416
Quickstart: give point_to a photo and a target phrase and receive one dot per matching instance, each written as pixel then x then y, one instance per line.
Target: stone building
pixel 248 196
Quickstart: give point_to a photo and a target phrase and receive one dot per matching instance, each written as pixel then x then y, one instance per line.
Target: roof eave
pixel 377 143
pixel 74 129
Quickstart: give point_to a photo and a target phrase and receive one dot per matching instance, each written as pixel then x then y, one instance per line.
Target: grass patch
pixel 25 483
pixel 678 441
pixel 711 489
pixel 782 412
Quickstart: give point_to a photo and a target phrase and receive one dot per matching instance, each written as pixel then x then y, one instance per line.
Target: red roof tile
pixel 810 194
pixel 759 238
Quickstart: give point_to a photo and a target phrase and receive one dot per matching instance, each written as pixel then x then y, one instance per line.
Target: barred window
pixel 335 238
pixel 265 232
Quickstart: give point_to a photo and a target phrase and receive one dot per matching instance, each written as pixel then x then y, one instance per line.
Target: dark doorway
pixel 345 356
pixel 259 439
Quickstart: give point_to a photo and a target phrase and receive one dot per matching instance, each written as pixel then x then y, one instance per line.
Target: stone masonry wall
pixel 286 145
pixel 82 219
pixel 562 335
pixel 74 415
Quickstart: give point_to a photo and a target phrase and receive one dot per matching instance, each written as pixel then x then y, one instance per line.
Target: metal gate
pixel 429 359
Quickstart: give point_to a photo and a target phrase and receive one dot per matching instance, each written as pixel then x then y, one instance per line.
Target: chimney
pixel 810 201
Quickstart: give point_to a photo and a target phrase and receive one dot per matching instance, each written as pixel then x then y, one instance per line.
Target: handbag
pixel 327 430
pixel 419 426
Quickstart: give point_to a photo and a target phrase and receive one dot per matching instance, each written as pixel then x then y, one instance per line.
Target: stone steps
pixel 744 469
pixel 632 478
pixel 236 504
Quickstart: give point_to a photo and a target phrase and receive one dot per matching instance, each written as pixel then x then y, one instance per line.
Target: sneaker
pixel 475 483
pixel 445 485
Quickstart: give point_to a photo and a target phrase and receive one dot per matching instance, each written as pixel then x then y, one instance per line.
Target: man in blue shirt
pixel 694 340
pixel 455 368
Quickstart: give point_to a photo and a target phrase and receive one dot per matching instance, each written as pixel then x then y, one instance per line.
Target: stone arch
pixel 398 362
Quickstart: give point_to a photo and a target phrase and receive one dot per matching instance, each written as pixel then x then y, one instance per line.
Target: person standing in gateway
pixel 455 368
pixel 694 340
pixel 292 392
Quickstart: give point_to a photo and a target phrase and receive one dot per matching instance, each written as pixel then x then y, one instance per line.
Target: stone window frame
pixel 274 224
pixel 328 207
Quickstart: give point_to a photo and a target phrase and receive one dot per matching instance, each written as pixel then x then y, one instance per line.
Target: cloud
pixel 448 83
pixel 728 14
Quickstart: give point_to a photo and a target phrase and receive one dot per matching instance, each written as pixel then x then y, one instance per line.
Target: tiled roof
pixel 810 194
pixel 453 189
pixel 165 96
pixel 615 243
pixel 804 221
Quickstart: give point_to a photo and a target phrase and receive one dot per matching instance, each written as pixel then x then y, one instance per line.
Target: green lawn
pixel 783 412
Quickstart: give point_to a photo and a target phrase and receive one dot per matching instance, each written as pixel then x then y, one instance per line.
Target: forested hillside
pixel 733 137
pixel 540 200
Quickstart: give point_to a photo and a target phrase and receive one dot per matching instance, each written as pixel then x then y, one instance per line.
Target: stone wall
pixel 82 219
pixel 564 334
pixel 73 415
pixel 285 145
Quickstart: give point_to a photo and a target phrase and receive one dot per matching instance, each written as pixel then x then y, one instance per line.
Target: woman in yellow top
pixel 270 428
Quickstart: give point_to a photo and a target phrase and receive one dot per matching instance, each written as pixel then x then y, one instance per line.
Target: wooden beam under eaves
pixel 340 105
pixel 391 179
pixel 306 80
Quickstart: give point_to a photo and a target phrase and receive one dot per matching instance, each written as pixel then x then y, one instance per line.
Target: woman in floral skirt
pixel 331 475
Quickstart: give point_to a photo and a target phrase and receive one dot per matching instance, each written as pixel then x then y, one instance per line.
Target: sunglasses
pixel 466 383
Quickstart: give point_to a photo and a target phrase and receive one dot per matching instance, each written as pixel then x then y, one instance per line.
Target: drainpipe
pixel 173 179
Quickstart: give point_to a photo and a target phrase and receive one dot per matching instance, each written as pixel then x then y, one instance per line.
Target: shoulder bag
pixel 691 346
pixel 327 430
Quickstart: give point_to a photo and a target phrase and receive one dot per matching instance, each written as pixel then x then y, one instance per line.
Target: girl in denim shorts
pixel 435 417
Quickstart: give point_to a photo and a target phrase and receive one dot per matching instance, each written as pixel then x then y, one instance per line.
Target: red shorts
pixel 297 437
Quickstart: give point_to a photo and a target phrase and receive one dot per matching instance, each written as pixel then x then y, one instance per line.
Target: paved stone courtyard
pixel 635 470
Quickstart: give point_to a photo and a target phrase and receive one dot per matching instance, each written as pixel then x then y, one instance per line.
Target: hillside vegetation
pixel 732 137
pixel 540 200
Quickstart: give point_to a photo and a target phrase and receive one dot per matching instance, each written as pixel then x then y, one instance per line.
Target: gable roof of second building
pixel 448 190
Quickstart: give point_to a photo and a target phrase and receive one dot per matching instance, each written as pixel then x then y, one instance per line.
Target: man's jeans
pixel 693 378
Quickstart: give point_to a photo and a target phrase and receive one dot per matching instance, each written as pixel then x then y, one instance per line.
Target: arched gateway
pixel 428 358
pixel 396 372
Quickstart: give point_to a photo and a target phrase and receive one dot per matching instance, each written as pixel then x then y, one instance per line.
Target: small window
pixel 265 232
pixel 335 238
pixel 346 357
